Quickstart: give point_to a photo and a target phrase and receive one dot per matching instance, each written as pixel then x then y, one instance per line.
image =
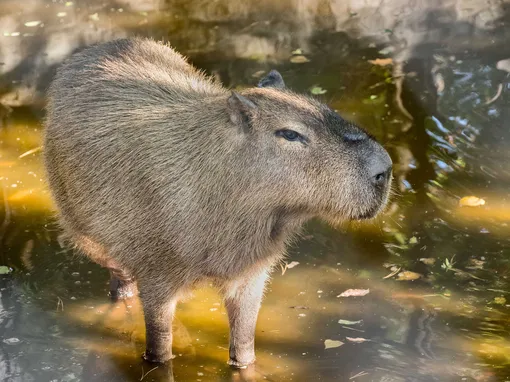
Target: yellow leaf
pixel 471 201
pixel 381 61
pixel 408 275
pixel 299 59
pixel 329 344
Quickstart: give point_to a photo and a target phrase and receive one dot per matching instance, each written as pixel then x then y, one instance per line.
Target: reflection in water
pixel 423 79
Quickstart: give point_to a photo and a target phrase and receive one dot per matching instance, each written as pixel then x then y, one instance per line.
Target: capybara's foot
pixel 157 358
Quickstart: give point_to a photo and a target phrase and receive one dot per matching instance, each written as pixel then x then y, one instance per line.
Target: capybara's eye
pixel 289 135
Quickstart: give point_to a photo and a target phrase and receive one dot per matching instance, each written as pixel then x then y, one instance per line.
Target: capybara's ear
pixel 273 80
pixel 241 110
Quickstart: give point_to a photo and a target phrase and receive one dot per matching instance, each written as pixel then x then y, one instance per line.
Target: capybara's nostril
pixel 381 178
pixel 380 169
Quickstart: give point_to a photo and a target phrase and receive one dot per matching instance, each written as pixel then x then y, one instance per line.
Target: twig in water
pixel 360 374
pixel 30 152
pixel 60 304
pixel 498 93
pixel 144 375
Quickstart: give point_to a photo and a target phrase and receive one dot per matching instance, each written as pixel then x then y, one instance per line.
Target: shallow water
pixel 434 96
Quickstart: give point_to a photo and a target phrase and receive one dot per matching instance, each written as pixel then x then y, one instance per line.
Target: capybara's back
pixel 166 178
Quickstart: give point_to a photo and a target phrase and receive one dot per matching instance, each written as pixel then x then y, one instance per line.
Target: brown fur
pixel 164 176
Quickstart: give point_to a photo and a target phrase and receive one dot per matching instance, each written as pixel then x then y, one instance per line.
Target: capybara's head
pixel 306 158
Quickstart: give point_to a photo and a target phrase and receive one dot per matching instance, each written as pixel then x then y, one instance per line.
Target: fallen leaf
pixel 31 24
pixel 408 276
pixel 500 300
pixel 299 59
pixel 288 266
pixel 258 73
pixel 297 52
pixel 357 340
pixel 381 61
pixel 354 293
pixel 475 264
pixel 347 322
pixel 330 344
pixel 316 90
pixel 504 65
pixel 439 82
pixel 471 201
pixel 387 50
pixel 5 270
pixel 428 260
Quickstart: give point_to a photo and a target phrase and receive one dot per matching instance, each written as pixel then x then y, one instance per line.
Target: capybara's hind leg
pixel 122 283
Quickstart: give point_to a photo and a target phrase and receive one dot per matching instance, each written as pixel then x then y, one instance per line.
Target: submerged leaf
pixel 408 276
pixel 299 59
pixel 5 270
pixel 500 300
pixel 316 90
pixel 330 344
pixel 471 201
pixel 357 340
pixel 381 61
pixel 354 293
pixel 428 260
pixel 292 264
pixel 347 322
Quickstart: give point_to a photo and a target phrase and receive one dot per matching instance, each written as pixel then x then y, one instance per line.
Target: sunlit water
pixel 437 273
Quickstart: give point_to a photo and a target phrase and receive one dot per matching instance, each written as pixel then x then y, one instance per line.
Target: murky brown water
pixel 438 273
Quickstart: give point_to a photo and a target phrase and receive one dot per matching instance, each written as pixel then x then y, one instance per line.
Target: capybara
pixel 166 178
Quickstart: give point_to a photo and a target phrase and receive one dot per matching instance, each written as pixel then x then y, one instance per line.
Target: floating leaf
pixel 289 266
pixel 32 24
pixel 471 201
pixel 299 59
pixel 500 300
pixel 504 65
pixel 5 270
pixel 408 276
pixel 357 340
pixel 347 322
pixel 258 73
pixel 401 238
pixel 381 61
pixel 297 52
pixel 387 50
pixel 316 90
pixel 330 344
pixel 354 293
pixel 428 260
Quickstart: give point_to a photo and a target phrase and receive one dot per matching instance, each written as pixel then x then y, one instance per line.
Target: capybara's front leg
pixel 242 301
pixel 158 310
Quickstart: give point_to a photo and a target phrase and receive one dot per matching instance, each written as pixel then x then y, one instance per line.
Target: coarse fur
pixel 165 177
